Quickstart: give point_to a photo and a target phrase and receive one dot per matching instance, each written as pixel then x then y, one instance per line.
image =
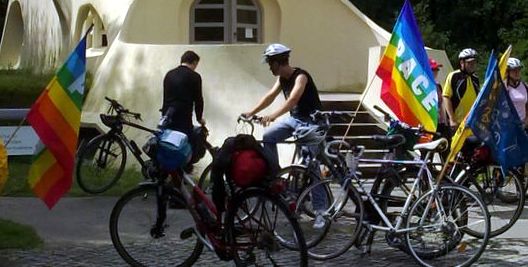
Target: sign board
pixel 23 143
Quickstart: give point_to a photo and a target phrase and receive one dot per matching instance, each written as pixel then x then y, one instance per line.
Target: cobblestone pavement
pixel 500 252
pixel 76 234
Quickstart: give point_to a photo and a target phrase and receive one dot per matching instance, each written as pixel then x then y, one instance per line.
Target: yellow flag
pixel 503 62
pixel 3 165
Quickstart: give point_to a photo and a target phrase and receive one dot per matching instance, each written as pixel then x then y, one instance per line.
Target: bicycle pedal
pixel 187 233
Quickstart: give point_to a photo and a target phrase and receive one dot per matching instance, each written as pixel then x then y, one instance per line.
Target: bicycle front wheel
pixel 342 221
pixel 100 163
pixel 298 178
pixel 265 234
pixel 140 241
pixel 436 224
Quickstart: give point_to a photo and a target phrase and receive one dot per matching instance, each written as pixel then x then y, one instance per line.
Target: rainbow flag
pixel 408 86
pixel 56 118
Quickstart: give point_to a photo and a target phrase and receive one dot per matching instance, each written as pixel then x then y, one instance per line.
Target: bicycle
pixel 342 224
pixel 439 214
pixel 244 235
pixel 503 195
pixel 101 162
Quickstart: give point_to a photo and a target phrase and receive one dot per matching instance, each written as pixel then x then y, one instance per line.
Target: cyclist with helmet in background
pixel 517 89
pixel 460 88
pixel 302 99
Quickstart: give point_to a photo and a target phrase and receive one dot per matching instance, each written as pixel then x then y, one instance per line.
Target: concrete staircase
pixel 362 128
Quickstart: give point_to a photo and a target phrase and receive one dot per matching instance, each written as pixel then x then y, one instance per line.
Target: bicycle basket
pixel 174 150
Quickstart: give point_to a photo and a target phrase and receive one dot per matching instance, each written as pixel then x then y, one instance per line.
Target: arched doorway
pixel 13 38
pixel 96 41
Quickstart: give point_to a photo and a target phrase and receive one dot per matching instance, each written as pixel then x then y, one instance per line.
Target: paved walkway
pixel 76 234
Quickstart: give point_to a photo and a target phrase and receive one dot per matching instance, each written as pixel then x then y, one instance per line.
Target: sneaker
pixel 319 222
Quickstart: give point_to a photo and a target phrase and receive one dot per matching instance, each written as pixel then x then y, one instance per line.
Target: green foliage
pixel 453 25
pixel 17 236
pixel 20 88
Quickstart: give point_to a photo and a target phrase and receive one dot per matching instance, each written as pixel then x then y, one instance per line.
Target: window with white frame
pixel 225 21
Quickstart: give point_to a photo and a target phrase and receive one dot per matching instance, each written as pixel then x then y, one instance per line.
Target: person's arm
pixel 448 105
pixel 198 101
pixel 266 100
pixel 447 92
pixel 293 99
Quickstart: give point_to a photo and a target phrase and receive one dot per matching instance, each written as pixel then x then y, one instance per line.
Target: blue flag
pixel 495 121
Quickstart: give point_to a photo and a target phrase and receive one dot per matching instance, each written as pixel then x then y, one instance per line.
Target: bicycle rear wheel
pixel 100 163
pixel 343 221
pixel 140 243
pixel 504 199
pixel 265 234
pixel 437 223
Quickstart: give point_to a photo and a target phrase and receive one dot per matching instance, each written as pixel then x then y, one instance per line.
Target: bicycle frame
pixel 396 228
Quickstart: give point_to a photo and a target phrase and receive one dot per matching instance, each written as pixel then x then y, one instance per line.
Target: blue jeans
pixel 282 130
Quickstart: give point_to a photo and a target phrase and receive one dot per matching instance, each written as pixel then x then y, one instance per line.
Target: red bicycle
pixel 257 229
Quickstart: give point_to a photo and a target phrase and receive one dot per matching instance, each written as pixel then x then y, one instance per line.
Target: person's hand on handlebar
pixel 267 120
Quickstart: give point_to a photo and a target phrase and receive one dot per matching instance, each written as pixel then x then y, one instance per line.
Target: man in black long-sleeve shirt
pixel 182 89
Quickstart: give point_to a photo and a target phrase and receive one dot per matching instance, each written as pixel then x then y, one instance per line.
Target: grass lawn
pixel 17 236
pixel 17 185
pixel 20 88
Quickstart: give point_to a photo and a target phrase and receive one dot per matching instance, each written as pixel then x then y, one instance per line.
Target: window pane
pixel 212 2
pixel 208 15
pixel 214 34
pixel 245 3
pixel 247 16
pixel 247 35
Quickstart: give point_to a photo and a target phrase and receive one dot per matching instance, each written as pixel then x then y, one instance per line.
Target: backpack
pixel 248 168
pixel 242 161
pixel 199 143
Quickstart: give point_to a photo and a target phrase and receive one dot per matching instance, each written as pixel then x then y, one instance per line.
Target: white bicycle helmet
pixel 274 50
pixel 309 135
pixel 514 63
pixel 467 53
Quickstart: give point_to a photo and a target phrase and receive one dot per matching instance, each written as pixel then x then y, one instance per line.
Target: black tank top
pixel 309 101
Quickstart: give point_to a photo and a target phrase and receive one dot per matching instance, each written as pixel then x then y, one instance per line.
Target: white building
pixel 135 42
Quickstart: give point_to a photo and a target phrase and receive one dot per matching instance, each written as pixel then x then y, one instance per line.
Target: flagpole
pixel 16 130
pixel 358 106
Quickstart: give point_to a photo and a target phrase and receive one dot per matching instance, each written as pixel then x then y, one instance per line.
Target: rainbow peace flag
pixel 408 86
pixel 56 118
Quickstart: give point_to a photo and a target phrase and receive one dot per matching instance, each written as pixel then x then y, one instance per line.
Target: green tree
pixel 453 25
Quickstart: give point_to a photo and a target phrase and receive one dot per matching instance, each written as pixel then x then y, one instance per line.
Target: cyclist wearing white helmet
pixel 302 99
pixel 517 89
pixel 461 87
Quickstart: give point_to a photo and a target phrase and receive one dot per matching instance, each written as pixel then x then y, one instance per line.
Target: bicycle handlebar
pixel 249 120
pixel 122 110
pixel 357 150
